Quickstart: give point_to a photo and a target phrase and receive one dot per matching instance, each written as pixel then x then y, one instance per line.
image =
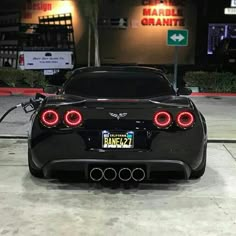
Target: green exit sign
pixel 177 37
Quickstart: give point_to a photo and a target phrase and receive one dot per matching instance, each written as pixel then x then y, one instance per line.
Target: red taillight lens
pixel 49 118
pixel 185 119
pixel 21 60
pixel 162 119
pixel 73 118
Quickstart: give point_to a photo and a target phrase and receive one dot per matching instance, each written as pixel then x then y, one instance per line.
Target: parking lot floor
pixel 30 206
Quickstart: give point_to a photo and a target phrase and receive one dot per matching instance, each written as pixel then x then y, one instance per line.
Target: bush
pixel 22 78
pixel 41 83
pixel 9 76
pixel 234 86
pixel 68 74
pixel 34 78
pixel 224 82
pixel 211 81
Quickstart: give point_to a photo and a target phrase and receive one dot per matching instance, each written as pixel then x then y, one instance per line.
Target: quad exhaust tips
pixel 124 174
pixel 96 174
pixel 110 174
pixel 138 174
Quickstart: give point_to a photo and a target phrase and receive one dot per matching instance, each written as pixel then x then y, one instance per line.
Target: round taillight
pixel 73 118
pixel 49 118
pixel 162 119
pixel 185 119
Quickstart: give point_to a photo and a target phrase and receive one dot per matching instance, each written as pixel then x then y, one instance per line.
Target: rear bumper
pixel 85 166
pixel 177 150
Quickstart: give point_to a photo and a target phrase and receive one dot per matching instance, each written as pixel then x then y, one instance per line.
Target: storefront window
pixel 218 33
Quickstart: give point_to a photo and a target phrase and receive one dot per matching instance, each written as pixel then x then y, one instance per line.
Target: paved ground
pixel 220 114
pixel 31 206
pixel 16 123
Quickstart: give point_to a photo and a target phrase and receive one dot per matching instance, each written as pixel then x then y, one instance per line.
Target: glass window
pixel 118 85
pixel 218 34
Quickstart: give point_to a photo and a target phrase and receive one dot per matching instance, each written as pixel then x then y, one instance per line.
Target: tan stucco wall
pixel 31 12
pixel 144 44
pixel 136 44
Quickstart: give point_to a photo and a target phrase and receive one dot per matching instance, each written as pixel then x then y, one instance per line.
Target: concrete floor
pixel 220 114
pixel 30 206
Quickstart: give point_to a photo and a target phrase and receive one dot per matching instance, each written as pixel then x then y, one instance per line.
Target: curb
pixel 20 91
pixel 194 94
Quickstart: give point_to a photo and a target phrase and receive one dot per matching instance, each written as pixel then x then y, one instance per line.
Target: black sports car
pixel 118 123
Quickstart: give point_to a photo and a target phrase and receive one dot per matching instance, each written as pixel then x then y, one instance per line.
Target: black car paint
pixel 155 149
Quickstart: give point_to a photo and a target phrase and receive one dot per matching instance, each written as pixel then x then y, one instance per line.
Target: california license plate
pixel 117 140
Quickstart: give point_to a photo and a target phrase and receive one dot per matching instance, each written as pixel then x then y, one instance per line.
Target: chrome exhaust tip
pixel 110 174
pixel 124 174
pixel 96 174
pixel 138 174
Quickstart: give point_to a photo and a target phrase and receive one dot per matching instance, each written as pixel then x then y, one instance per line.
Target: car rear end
pixel 117 138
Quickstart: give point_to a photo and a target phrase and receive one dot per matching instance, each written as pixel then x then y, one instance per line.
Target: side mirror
pixel 51 89
pixel 184 91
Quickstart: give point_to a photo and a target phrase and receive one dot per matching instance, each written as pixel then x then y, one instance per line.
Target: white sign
pixel 230 11
pixel 233 3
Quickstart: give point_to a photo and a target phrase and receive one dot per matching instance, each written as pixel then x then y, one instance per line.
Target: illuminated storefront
pixel 131 31
pixel 221 26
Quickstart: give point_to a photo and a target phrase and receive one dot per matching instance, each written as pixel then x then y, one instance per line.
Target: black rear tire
pixel 196 174
pixel 34 171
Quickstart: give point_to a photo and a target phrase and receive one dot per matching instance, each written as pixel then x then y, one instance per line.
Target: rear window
pixel 118 85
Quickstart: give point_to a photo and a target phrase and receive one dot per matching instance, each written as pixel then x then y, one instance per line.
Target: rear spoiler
pixel 168 101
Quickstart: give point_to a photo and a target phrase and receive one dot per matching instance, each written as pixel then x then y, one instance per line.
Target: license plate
pixel 48 72
pixel 232 60
pixel 117 140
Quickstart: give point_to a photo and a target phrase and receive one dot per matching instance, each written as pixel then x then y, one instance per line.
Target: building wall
pixel 147 44
pixel 31 10
pixel 141 41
